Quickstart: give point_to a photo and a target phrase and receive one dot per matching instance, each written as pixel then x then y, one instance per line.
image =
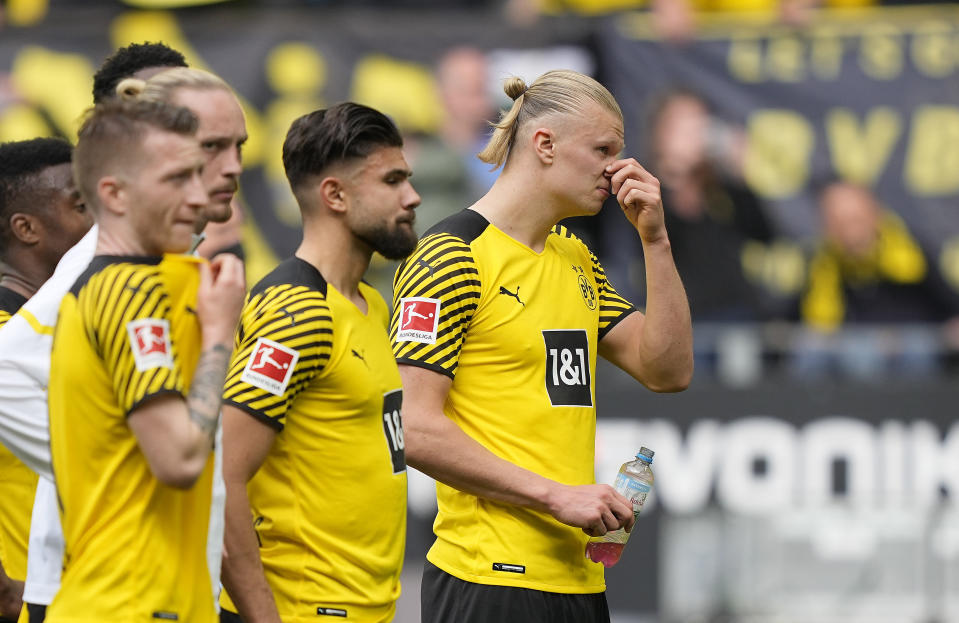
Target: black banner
pixel 870 96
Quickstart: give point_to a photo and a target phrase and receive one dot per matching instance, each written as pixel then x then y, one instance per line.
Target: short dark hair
pixel 127 61
pixel 325 137
pixel 112 132
pixel 20 162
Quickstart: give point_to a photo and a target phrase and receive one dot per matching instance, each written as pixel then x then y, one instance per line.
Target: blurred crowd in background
pixel 808 152
pixel 853 293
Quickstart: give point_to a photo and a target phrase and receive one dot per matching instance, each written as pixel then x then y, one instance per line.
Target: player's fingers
pixel 620 164
pixel 233 267
pixel 647 187
pixel 610 522
pixel 629 168
pixel 206 276
pixel 229 270
pixel 216 268
pixel 636 198
pixel 598 528
pixel 623 509
pixel 621 176
pixel 640 172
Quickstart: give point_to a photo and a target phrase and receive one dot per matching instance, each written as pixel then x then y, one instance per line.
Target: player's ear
pixel 25 227
pixel 331 194
pixel 112 194
pixel 544 144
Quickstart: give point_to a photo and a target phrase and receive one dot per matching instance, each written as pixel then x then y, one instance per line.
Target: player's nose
pixel 411 198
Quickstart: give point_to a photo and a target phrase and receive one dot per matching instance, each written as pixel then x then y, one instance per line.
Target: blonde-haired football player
pixel 500 404
pixel 145 331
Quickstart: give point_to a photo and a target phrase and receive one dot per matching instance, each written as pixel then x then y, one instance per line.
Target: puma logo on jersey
pixel 288 315
pixel 359 356
pixel 515 295
pixel 282 310
pixel 429 267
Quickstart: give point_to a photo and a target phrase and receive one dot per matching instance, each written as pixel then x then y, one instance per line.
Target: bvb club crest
pixel 586 288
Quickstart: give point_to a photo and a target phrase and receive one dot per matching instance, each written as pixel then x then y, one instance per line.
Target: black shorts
pixel 37 612
pixel 447 599
pixel 229 617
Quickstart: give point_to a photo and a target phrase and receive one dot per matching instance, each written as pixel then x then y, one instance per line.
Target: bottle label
pixel 635 490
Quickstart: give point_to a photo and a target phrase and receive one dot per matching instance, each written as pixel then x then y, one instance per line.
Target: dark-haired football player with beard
pixel 313 443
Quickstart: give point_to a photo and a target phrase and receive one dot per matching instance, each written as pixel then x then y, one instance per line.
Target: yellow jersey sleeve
pixel 435 294
pixel 284 340
pixel 128 318
pixel 612 307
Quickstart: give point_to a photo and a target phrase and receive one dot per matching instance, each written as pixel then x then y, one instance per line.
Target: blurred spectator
pixel 169 4
pixel 867 273
pixel 463 82
pixel 449 176
pixel 675 20
pixel 711 217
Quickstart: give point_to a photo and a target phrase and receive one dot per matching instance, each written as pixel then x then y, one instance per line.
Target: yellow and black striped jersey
pixel 127 332
pixel 517 331
pixel 329 501
pixel 18 483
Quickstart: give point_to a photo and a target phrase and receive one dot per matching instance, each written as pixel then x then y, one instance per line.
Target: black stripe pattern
pixel 110 296
pixel 297 317
pixel 443 268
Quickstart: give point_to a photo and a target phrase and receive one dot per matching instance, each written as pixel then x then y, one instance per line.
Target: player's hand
pixel 11 597
pixel 597 509
pixel 220 297
pixel 638 193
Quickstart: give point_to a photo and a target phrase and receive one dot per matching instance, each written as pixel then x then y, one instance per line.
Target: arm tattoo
pixel 203 403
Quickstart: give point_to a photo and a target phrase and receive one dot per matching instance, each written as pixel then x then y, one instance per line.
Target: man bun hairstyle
pixel 161 87
pixel 130 88
pixel 560 91
pixel 514 87
pixel 334 135
pixel 129 60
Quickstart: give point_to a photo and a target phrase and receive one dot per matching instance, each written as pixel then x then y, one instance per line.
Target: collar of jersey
pixel 105 260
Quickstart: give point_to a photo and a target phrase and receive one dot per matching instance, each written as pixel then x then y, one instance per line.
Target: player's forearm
pixel 666 347
pixel 242 573
pixel 466 465
pixel 203 415
pixel 206 388
pixel 11 596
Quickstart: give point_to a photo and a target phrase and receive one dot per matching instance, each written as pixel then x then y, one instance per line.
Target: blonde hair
pixel 160 87
pixel 116 128
pixel 560 91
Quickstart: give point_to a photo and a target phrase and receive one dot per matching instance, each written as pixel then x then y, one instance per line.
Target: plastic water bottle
pixel 633 482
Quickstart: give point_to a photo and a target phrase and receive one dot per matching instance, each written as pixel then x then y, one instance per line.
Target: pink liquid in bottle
pixel 606 553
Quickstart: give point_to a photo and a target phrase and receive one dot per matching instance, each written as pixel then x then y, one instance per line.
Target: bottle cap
pixel 645 454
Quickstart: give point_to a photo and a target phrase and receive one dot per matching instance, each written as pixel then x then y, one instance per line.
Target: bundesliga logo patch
pixel 270 366
pixel 150 343
pixel 419 318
